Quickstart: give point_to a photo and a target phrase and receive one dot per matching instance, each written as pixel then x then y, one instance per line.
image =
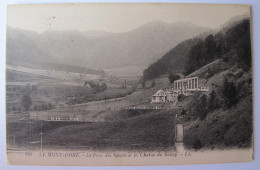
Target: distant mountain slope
pixel 22 49
pixel 173 61
pixel 233 21
pixel 138 47
pixel 93 34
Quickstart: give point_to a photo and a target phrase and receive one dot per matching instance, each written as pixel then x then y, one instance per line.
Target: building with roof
pixel 163 96
pixel 186 87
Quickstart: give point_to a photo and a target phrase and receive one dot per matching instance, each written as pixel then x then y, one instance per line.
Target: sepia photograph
pixel 128 84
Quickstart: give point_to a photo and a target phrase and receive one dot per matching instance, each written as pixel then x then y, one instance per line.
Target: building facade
pixel 163 96
pixel 186 87
pixel 52 116
pixel 159 96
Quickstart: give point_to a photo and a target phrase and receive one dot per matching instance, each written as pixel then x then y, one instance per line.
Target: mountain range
pixel 98 49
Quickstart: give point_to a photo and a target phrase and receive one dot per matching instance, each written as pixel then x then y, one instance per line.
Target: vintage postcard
pixel 128 84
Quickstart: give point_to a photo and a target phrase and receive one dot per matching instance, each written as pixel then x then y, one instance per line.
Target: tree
pixel 103 87
pixel 213 102
pixel 201 109
pixel 211 47
pixel 183 112
pixel 197 57
pixel 44 106
pixel 143 84
pixel 153 84
pixel 36 107
pixel 26 102
pixel 229 93
pixel 180 97
pixel 50 106
pixel 173 77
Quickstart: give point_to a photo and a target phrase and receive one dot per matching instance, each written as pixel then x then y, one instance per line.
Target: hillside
pixel 192 54
pixel 227 121
pixel 22 49
pixel 135 132
pixel 223 118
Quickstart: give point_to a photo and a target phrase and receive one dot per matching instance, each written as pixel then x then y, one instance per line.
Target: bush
pixel 181 97
pixel 183 112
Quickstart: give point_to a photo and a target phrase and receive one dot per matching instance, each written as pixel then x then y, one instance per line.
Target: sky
pixel 116 17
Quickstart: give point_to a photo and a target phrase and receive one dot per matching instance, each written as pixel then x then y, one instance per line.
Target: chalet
pixel 159 96
pixel 166 95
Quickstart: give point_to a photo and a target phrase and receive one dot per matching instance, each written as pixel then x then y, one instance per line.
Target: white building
pixel 53 116
pixel 186 87
pixel 162 96
pixel 159 96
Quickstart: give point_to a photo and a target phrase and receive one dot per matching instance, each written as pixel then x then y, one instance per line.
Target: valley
pixel 131 99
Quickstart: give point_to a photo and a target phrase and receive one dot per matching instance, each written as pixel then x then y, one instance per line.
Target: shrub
pixel 181 97
pixel 173 77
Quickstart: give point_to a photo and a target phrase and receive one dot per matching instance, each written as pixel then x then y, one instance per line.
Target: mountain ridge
pixel 138 47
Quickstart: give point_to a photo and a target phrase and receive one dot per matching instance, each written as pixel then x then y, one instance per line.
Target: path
pixel 179 135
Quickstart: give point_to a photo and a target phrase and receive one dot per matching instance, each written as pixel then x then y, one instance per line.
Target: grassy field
pixel 108 125
pixel 147 131
pixel 53 87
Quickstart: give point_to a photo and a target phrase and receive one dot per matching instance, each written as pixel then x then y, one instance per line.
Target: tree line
pixel 236 41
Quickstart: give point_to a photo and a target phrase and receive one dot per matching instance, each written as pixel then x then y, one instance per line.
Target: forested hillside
pixel 192 54
pixel 173 61
pixel 235 40
pixel 224 117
